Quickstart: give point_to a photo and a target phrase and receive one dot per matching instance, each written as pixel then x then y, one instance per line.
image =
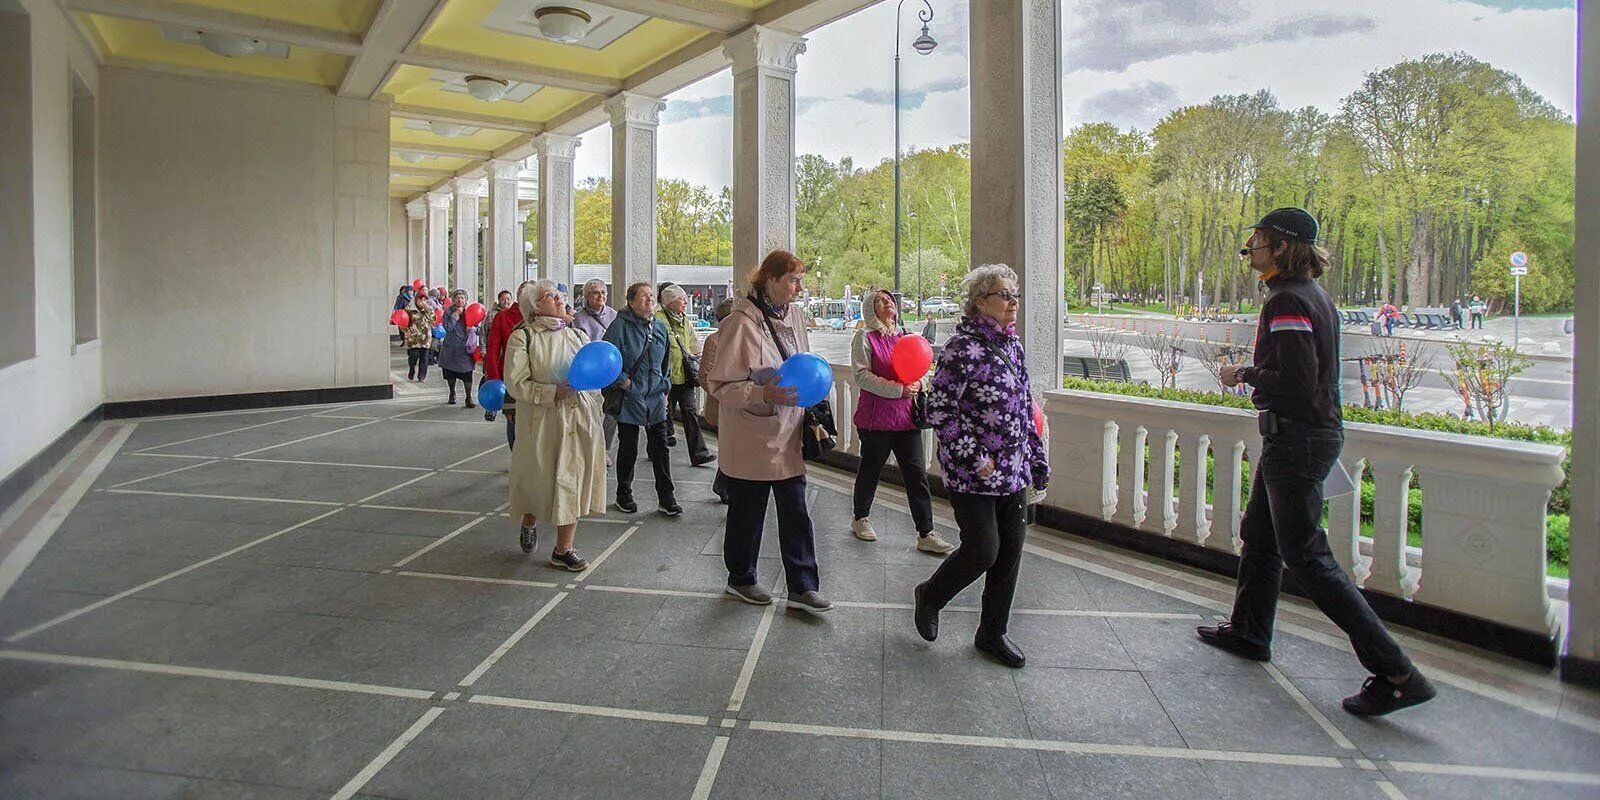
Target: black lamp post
pixel 924 44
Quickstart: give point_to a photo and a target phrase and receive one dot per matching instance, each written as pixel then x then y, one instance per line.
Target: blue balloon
pixel 438 331
pixel 492 395
pixel 810 375
pixel 596 366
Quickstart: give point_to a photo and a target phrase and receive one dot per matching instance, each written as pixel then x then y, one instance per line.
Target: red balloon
pixel 475 314
pixel 417 285
pixel 477 354
pixel 400 318
pixel 911 358
pixel 1038 419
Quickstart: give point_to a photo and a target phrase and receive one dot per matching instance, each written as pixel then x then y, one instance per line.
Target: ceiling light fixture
pixel 412 158
pixel 563 24
pixel 446 129
pixel 228 45
pixel 486 88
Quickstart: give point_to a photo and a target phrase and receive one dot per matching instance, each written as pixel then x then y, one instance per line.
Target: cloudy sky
pixel 1125 61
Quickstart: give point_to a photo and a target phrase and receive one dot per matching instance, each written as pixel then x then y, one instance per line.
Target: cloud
pixel 680 110
pixel 1138 106
pixel 1112 35
pixel 909 97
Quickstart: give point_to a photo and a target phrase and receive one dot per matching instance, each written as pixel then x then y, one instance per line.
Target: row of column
pixel 430 222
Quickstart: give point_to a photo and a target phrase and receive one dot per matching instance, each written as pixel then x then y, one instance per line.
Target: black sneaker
pixel 1001 649
pixel 672 440
pixel 488 416
pixel 703 459
pixel 570 561
pixel 1224 637
pixel 450 402
pixel 927 619
pixel 670 508
pixel 470 404
pixel 627 506
pixel 1379 696
pixel 529 538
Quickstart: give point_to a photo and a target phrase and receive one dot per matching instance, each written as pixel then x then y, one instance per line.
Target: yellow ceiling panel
pixel 415 86
pixel 440 162
pixel 483 139
pixel 350 16
pixel 142 41
pixel 411 181
pixel 460 28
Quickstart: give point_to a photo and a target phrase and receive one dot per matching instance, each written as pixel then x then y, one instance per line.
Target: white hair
pixel 592 284
pixel 528 296
pixel 981 281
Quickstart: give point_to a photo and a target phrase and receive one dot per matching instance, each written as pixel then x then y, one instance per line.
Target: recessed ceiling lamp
pixel 228 45
pixel 563 24
pixel 486 88
pixel 446 129
pixel 412 158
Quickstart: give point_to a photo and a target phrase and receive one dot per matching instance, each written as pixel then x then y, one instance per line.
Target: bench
pixel 1096 369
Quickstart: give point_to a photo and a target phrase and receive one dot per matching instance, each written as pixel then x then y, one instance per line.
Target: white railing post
pixel 1390 500
pixel 1160 515
pixel 1193 525
pixel 1226 506
pixel 1130 475
pixel 1083 465
pixel 1344 526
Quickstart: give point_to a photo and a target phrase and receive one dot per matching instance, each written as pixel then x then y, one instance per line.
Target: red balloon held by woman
pixel 400 318
pixel 474 314
pixel 911 358
pixel 417 285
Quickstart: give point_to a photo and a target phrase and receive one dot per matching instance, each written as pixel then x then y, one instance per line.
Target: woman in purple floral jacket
pixel 982 412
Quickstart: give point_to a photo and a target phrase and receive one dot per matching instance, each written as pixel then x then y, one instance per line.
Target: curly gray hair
pixel 981 281
pixel 593 284
pixel 529 294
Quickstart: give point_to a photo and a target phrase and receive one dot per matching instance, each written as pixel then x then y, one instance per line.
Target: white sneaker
pixel 934 543
pixel 862 528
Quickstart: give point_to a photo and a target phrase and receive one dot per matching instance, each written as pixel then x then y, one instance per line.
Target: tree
pixel 591 223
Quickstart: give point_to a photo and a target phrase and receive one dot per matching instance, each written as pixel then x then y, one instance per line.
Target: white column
pixel 438 237
pixel 417 239
pixel 764 63
pixel 503 244
pixel 556 153
pixel 466 230
pixel 1016 164
pixel 522 247
pixel 1582 662
pixel 634 120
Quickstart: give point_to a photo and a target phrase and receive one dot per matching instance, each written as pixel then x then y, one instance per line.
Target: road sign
pixel 1522 270
pixel 1519 259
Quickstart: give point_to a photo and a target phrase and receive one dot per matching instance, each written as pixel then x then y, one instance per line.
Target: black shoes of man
pixel 1378 695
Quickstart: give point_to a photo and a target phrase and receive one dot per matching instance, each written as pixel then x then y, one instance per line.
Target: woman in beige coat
pixel 759 434
pixel 559 473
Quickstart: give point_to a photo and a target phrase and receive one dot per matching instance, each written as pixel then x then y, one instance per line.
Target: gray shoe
pixel 812 602
pixel 752 594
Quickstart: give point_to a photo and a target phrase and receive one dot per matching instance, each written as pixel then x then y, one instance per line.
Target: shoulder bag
pixel 611 397
pixel 816 435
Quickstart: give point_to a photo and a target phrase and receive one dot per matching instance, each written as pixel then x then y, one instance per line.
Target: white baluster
pixel 1344 526
pixel 1226 508
pixel 1389 573
pixel 1161 517
pixel 1193 525
pixel 1130 475
pixel 1083 464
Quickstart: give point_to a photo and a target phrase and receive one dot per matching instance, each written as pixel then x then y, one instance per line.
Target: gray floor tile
pixel 944 689
pixel 269 436
pixel 474 751
pixel 916 771
pixel 24 608
pixel 161 632
pixel 157 431
pixel 63 569
pixel 1163 645
pixel 282 481
pixel 1082 777
pixel 604 758
pixel 371 651
pixel 1101 706
pixel 1273 782
pixel 779 766
pixel 392 522
pixel 1116 595
pixel 711 622
pixel 1456 787
pixel 454 491
pixel 1077 642
pixel 1248 712
pixel 29 779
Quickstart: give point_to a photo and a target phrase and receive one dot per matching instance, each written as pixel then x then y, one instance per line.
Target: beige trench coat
pixel 558 469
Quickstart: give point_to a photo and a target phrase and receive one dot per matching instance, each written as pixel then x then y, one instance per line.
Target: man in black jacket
pixel 1295 380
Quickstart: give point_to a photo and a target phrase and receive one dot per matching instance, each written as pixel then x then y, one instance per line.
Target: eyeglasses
pixel 1009 297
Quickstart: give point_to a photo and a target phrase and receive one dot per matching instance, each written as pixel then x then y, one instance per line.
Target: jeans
pixel 992 531
pixel 907 449
pixel 1280 527
pixel 1477 321
pixel 747 513
pixel 628 457
pixel 417 363
pixel 682 398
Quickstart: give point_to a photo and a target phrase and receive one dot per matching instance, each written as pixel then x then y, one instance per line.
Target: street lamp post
pixel 923 44
pixel 913 215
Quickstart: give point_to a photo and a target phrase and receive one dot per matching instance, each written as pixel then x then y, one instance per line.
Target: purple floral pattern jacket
pixel 982 411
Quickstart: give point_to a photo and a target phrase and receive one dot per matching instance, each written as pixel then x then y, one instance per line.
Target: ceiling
pixel 417 54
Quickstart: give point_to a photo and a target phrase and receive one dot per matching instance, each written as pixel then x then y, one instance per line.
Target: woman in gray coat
pixel 643 341
pixel 455 353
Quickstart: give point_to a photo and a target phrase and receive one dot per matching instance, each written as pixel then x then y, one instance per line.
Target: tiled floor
pixel 330 602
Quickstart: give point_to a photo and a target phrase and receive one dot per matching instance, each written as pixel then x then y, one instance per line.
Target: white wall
pixel 397 245
pixel 244 238
pixel 42 396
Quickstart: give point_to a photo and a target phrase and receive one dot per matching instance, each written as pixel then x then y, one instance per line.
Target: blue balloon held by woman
pixel 809 375
pixel 492 395
pixel 596 366
pixel 438 332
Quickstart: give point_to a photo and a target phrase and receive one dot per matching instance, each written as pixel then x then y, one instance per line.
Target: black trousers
pixel 680 403
pixel 510 414
pixel 747 516
pixel 992 531
pixel 1477 321
pixel 1280 527
pixel 628 457
pixel 907 448
pixel 417 362
pixel 450 378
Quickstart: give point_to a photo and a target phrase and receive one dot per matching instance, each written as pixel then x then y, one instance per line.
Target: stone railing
pixel 1142 464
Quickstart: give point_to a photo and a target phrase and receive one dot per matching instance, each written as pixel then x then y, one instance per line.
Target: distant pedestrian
pixel 418 337
pixel 1477 308
pixel 494 360
pixel 1455 313
pixel 642 340
pixel 594 318
pixel 1390 316
pixel 712 409
pixel 455 356
pixel 683 371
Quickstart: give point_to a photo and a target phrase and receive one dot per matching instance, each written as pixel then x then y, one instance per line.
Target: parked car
pixel 940 305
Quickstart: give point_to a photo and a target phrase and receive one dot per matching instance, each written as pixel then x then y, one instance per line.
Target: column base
pixel 1580 671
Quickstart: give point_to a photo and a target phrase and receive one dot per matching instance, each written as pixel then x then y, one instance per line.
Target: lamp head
pixel 924 43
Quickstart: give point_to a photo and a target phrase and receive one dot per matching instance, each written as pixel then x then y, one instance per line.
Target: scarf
pixel 547 323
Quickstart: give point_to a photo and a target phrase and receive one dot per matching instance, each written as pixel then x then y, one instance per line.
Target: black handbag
pixel 691 370
pixel 611 397
pixel 816 434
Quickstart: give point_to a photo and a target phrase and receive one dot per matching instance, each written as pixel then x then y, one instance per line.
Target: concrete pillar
pixel 1581 663
pixel 417 239
pixel 1016 164
pixel 764 63
pixel 438 237
pixel 634 120
pixel 466 239
pixel 503 244
pixel 556 153
pixel 522 246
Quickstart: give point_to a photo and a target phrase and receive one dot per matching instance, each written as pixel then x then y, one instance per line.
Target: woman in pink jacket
pixel 759 434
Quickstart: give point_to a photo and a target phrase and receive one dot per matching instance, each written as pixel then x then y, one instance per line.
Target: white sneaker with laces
pixel 936 544
pixel 862 528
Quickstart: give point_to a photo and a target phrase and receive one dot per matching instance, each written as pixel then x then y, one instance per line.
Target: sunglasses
pixel 1009 297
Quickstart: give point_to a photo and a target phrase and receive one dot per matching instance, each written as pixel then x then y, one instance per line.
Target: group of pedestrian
pixel 1389 314
pixel 980 407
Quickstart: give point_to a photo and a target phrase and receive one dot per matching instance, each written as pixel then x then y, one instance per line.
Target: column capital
pixel 467 186
pixel 523 214
pixel 759 46
pixel 439 199
pixel 417 209
pixel 636 109
pixel 556 145
pixel 503 169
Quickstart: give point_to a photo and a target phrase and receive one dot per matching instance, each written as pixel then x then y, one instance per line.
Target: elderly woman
pixel 418 335
pixel 594 318
pixel 683 348
pixel 708 361
pixel 455 352
pixel 759 432
pixel 559 474
pixel 981 409
pixel 883 417
pixel 494 363
pixel 642 339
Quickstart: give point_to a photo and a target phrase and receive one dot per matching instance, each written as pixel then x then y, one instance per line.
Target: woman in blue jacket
pixel 643 341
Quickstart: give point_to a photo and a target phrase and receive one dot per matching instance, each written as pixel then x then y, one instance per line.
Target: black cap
pixel 1295 223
